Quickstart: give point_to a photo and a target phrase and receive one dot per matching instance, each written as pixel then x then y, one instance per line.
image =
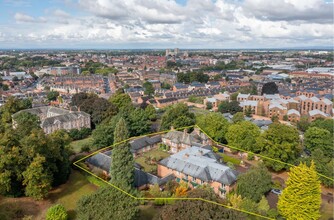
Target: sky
pixel 159 24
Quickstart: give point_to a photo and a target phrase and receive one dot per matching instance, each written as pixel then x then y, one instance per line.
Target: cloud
pixel 24 18
pixel 155 23
pixel 316 11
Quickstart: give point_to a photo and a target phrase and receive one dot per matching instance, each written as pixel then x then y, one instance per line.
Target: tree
pixel 229 107
pixel 269 88
pixel 148 88
pixel 139 122
pixel 319 138
pixel 120 100
pixel 238 117
pixel 214 124
pixel 280 142
pixel 25 122
pixel 166 85
pixel 151 112
pixel 209 105
pixel 52 95
pixel 254 183
pixel 56 212
pixel 177 115
pixel 303 123
pixel 301 199
pixel 195 209
pixel 107 203
pixel 122 165
pixel 37 179
pixel 243 135
pixel 327 124
pixel 248 111
pixel 263 206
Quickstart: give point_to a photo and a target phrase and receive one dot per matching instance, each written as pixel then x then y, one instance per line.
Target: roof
pixel 63 118
pixel 276 105
pixel 103 161
pixel 317 112
pixel 211 100
pixel 248 103
pixel 243 96
pixel 196 162
pixel 293 111
pixel 140 143
pixel 182 137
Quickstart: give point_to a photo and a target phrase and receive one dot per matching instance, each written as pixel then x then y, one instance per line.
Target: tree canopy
pixel 319 138
pixel 243 135
pixel 148 88
pixel 194 209
pixel 269 88
pixel 280 142
pixel 214 124
pixel 177 115
pixel 190 77
pixel 301 199
pixel 254 183
pixel 107 203
pixel 229 107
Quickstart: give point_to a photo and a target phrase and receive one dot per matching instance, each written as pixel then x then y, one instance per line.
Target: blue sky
pixel 165 23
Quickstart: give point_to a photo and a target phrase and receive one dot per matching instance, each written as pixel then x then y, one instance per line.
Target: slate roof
pixel 293 111
pixel 196 162
pixel 317 112
pixel 182 137
pixel 63 118
pixel 103 161
pixel 140 143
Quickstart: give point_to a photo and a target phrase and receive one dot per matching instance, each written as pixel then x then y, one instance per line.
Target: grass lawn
pixel 69 193
pixel 155 153
pixel 227 158
pixel 77 145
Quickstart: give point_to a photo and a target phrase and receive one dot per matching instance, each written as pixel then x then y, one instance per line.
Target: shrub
pixel 250 156
pixel 56 212
pixel 85 148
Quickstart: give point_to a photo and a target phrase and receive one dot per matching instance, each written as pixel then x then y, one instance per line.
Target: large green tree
pixel 301 199
pixel 122 165
pixel 148 88
pixel 214 124
pixel 280 142
pixel 177 116
pixel 37 179
pixel 196 209
pixel 243 135
pixel 107 203
pixel 25 123
pixel 254 183
pixel 319 138
pixel 229 107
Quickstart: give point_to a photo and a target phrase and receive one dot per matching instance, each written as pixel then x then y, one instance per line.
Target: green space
pixel 69 193
pixel 76 146
pixel 231 159
pixel 198 111
pixel 149 159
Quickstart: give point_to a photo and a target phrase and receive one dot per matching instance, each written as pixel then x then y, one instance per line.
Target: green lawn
pixel 227 158
pixel 150 165
pixel 77 145
pixel 69 193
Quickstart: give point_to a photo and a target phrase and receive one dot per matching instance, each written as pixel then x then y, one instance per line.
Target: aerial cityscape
pixel 166 110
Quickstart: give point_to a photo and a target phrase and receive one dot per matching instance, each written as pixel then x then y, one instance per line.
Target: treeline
pixel 190 77
pixel 31 163
pixel 27 62
pixel 97 68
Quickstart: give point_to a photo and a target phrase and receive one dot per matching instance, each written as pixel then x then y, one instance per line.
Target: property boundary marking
pixel 169 198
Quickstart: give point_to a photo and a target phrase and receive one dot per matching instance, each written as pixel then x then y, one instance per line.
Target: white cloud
pixel 206 23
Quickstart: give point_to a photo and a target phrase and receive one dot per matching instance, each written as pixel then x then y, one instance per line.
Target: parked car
pixel 276 191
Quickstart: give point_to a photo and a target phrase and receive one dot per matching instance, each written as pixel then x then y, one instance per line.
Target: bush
pixel 250 156
pixel 56 212
pixel 85 148
pixel 76 134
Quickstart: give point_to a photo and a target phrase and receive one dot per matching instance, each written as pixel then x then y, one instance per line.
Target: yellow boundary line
pixel 197 199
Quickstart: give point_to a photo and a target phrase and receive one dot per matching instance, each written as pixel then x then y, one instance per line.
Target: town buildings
pixel 53 118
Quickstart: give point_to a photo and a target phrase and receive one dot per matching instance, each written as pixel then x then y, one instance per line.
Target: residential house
pixel 199 166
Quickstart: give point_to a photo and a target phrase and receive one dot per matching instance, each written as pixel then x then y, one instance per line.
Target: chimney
pixel 184 132
pixel 172 128
pixel 186 155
